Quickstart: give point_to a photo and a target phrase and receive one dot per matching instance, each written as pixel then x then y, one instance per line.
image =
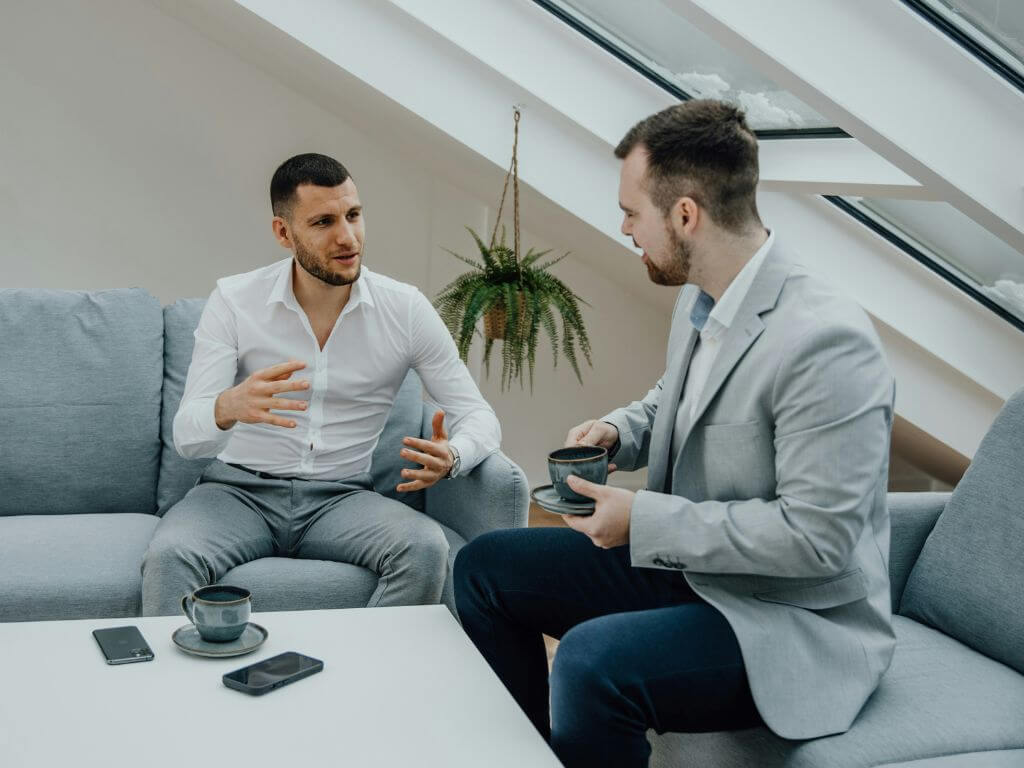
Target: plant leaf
pixel 474 264
pixel 532 256
pixel 485 252
pixel 549 264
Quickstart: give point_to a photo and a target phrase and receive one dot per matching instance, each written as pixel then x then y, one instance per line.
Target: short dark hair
pixel 309 168
pixel 702 149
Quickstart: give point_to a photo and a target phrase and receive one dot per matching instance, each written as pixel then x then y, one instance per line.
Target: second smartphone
pixel 264 676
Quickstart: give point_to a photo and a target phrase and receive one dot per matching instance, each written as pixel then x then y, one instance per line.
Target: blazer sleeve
pixel 832 407
pixel 635 422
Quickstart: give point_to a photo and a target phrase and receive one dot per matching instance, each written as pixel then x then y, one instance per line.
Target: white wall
pixel 134 151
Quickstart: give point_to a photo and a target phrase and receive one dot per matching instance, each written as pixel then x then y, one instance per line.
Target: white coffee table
pixel 400 687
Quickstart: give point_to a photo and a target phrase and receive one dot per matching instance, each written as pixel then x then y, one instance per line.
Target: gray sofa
pixel 954 694
pixel 89 385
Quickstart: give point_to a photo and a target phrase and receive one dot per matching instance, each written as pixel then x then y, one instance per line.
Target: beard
pixel 321 268
pixel 677 271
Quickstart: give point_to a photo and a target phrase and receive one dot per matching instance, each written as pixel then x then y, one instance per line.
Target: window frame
pixel 947 272
pixel 627 58
pixel 970 43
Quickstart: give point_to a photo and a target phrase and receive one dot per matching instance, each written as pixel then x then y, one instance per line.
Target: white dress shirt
pixel 253 321
pixel 710 339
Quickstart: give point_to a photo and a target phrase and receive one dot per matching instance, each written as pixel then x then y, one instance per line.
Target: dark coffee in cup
pixel 587 461
pixel 220 612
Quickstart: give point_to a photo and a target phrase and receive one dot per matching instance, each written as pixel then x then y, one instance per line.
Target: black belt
pixel 260 474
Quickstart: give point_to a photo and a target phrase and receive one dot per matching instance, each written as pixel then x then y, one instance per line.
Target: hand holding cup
pixel 594 432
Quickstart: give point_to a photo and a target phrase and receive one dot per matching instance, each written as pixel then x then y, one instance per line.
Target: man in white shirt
pixel 748 583
pixel 294 371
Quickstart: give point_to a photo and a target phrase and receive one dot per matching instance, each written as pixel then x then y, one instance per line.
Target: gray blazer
pixel 777 511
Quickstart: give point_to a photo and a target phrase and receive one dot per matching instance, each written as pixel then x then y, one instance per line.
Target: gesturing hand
pixel 433 454
pixel 251 401
pixel 609 525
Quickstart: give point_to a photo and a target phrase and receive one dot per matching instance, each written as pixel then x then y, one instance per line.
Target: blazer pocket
pixel 840 590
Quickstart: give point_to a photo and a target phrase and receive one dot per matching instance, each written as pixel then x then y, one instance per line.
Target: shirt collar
pixel 724 311
pixel 281 291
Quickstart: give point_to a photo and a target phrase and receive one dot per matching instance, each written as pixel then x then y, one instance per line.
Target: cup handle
pixel 184 608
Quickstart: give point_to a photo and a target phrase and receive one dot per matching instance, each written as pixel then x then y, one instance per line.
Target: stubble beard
pixel 677 272
pixel 315 267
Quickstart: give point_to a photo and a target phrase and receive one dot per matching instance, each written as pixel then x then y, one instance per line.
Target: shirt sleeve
pixel 473 427
pixel 213 369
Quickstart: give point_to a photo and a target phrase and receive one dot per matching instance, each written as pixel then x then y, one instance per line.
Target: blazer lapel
pixel 746 327
pixel 675 375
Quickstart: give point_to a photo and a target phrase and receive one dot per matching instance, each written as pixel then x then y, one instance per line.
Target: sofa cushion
pixel 968 581
pixel 288 584
pixel 406 418
pixel 455 543
pixel 79 401
pixel 177 475
pixel 1004 758
pixel 72 566
pixel 939 697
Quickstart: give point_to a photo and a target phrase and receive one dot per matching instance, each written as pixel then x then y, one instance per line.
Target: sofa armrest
pixel 912 517
pixel 494 495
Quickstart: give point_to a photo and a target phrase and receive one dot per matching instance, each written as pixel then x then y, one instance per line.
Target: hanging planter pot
pixel 496 318
pixel 494 323
pixel 515 297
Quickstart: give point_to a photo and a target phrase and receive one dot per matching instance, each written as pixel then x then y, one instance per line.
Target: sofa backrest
pixel 80 380
pixel 178 475
pixel 968 581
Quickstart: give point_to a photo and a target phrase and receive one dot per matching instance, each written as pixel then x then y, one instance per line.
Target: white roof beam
pixel 885 75
pixel 604 96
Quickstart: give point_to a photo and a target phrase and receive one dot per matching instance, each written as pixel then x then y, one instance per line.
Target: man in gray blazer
pixel 748 583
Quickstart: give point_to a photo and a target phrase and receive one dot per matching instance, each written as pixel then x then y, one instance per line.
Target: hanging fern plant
pixel 516 297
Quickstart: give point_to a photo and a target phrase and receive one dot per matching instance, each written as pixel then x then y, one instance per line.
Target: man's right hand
pixel 594 432
pixel 251 401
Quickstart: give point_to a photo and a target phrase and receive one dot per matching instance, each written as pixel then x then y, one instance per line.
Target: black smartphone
pixel 266 675
pixel 123 645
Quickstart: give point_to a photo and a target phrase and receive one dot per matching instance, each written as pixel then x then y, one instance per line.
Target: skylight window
pixel 672 51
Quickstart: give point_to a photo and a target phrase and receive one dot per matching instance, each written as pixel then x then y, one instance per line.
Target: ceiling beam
pixel 890 79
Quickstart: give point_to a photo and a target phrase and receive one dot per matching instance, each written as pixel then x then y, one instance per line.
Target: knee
pixel 473 563
pixel 427 544
pixel 167 553
pixel 584 665
pixel 469 559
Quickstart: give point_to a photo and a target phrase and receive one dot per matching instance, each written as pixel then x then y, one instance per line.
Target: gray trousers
pixel 233 516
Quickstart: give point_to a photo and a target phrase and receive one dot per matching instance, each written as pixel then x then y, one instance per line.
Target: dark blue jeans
pixel 639 649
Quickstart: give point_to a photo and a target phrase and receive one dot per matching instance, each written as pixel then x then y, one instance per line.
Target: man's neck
pixel 317 297
pixel 726 257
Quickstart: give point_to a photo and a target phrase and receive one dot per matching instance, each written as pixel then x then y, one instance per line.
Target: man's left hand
pixel 433 454
pixel 609 525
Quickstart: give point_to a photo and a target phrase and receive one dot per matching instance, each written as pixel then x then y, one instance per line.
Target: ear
pixel 685 216
pixel 281 232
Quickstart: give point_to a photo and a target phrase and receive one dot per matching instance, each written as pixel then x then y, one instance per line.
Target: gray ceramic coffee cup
pixel 220 612
pixel 587 461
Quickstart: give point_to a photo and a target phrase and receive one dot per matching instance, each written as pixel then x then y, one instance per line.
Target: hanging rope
pixel 513 174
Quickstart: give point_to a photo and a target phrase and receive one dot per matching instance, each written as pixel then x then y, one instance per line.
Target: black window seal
pixel 675 90
pixel 924 259
pixel 964 40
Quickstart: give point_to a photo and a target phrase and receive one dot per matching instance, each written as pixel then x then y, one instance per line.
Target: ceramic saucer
pixel 547 498
pixel 187 639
